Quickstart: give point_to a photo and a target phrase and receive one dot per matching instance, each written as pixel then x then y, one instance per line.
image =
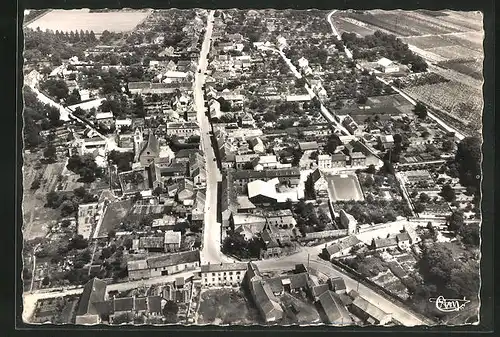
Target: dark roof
pixel 308 146
pixel 173 259
pixel 266 174
pixel 334 310
pixel 94 291
pixel 403 236
pixel 104 308
pixel 319 289
pixel 337 283
pixel 139 85
pixel 185 153
pixel 385 242
pixel 151 242
pixel 152 146
pixel 123 304
pixel 207 268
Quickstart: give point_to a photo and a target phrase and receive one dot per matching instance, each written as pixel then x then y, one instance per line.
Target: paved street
pixel 212 230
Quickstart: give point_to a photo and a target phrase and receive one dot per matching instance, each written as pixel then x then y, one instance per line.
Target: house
pixel 257 145
pixel 186 129
pixel 123 123
pixel 247 120
pixel 214 108
pixel 387 66
pixel 348 222
pixel 303 62
pixel 197 169
pixel 384 243
pixel 249 225
pixel 367 311
pixel 265 162
pixel 86 219
pixel 272 247
pixel 244 161
pixel 281 219
pixel 223 274
pixel 150 150
pixel 339 160
pixel 351 126
pixel 242 178
pixel 93 292
pixel 308 146
pixel 404 240
pixel 163 265
pixel 172 241
pixel 198 211
pixel 265 300
pixel 341 247
pixel 185 190
pixel 320 183
pixel 333 310
pixel 151 243
pixel 386 142
pixel 337 284
pixel 324 161
pixel 358 159
pixel 244 204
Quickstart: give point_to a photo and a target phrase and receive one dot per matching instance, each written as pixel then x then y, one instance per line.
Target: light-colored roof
pixel 103 115
pixel 209 268
pixel 385 62
pixel 369 309
pixel 172 237
pixel 260 187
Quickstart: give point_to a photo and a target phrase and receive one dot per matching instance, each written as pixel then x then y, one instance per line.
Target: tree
pixel 50 153
pixel 137 196
pixel 158 191
pixel 46 281
pixel 170 310
pixel 420 110
pixel 470 235
pixel 74 98
pixel 111 234
pixel 65 223
pixel 468 158
pixel 456 221
pixel 371 169
pixel 447 145
pixel 419 207
pixel 77 242
pixel 68 207
pixel 332 143
pixel 309 192
pixel 448 193
pixel 106 253
pixel 55 88
pixel 424 197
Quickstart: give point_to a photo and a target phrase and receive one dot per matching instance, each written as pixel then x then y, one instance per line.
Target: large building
pixel 163 265
pixel 224 274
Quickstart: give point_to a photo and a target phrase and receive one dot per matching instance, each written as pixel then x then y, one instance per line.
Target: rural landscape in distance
pixel 252 167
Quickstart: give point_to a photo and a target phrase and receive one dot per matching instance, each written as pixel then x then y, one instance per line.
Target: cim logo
pixel 449 305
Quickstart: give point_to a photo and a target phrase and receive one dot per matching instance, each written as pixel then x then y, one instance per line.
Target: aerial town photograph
pixel 252 167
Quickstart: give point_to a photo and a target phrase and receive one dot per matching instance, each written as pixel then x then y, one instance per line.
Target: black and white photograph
pixel 252 167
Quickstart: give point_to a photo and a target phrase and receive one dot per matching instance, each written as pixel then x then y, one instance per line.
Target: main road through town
pixel 212 230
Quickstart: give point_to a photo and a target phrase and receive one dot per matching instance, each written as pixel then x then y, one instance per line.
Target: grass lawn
pixel 226 306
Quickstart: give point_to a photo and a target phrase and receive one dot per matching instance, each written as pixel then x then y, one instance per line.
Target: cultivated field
pixel 82 19
pixel 345 187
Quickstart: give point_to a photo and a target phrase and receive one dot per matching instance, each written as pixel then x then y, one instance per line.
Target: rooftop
pixel 208 268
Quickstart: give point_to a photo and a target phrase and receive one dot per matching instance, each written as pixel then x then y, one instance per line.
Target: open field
pixel 115 212
pixel 345 187
pixel 82 19
pixel 226 306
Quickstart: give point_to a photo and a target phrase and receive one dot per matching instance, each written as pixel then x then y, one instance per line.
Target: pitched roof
pixel 265 300
pixel 94 291
pixel 123 304
pixel 173 259
pixel 152 146
pixel 370 309
pixel 343 244
pixel 335 311
pixel 304 146
pixel 337 283
pixel 385 242
pixel 209 268
pixel 266 174
pixel 172 237
pixel 150 242
pixel 403 237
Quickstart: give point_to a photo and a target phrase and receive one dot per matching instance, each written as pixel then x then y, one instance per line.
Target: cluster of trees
pixel 376 210
pixel 236 244
pixel 58 45
pixel 308 219
pixel 122 160
pixel 379 45
pixel 332 143
pixel 37 116
pixel 445 274
pixel 85 166
pixel 68 201
pixel 468 161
